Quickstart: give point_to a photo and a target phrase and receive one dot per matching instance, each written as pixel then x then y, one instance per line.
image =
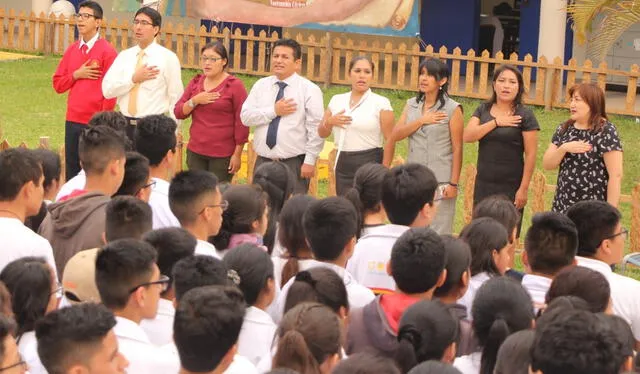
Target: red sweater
pixel 85 95
pixel 216 128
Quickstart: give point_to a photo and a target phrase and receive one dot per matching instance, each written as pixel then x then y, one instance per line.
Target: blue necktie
pixel 272 133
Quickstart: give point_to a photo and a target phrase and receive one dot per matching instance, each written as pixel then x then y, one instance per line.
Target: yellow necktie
pixel 133 94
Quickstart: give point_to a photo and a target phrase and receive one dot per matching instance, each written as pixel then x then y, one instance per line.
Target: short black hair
pixel 366 194
pixel 113 119
pixel 318 285
pixel 596 221
pixel 97 147
pixel 127 217
pixel 405 191
pixel 122 265
pixel 500 208
pixel 458 262
pixel 418 258
pixel 72 335
pixel 329 224
pixel 366 363
pixel 551 242
pixel 247 204
pixel 197 271
pixel 186 191
pixel 97 9
pixel 575 342
pixel 205 315
pixel 155 135
pixel 136 174
pixel 484 235
pixel 587 284
pixel 514 355
pixel 172 244
pixel 291 43
pixel 291 233
pixel 156 17
pixel 7 328
pixel 51 166
pixel 255 268
pixel 18 166
pixel 434 367
pixel 622 331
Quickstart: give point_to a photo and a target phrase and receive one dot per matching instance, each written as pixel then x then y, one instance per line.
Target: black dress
pixel 584 176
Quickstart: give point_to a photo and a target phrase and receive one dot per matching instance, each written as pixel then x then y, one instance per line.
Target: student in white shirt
pixel 130 284
pixel 360 121
pixel 195 199
pixel 285 110
pixel 172 245
pixel 550 245
pixel 21 182
pixel 409 200
pixel 10 356
pixel 78 339
pixel 601 239
pixel 579 281
pixel 366 196
pixel 145 79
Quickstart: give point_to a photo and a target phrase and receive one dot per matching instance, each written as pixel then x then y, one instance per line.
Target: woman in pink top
pixel 214 99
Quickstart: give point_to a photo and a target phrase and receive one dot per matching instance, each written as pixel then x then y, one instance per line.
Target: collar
pixel 258 315
pixel 165 308
pixel 593 264
pixel 91 41
pixel 389 230
pixel 347 278
pixel 536 280
pixel 149 47
pixel 289 81
pixel 127 329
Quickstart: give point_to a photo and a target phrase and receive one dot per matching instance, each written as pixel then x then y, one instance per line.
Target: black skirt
pixel 349 163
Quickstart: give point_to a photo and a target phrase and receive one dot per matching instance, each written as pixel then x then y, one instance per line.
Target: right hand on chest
pixel 145 73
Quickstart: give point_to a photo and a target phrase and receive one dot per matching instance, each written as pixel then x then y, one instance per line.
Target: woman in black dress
pixel 588 151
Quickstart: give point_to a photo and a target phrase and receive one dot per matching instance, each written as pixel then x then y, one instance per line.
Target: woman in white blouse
pixel 360 121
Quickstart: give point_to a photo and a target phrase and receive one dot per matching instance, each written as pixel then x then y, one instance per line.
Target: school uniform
pixel 160 329
pixel 159 202
pixel 537 286
pixel 204 248
pixel 257 335
pixel 28 348
pixel 240 365
pixel 143 356
pixel 474 284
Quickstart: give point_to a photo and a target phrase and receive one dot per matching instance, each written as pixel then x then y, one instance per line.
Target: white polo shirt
pixel 257 334
pixel 240 365
pixel 143 357
pixel 160 329
pixel 159 202
pixel 474 284
pixel 537 286
pixel 21 242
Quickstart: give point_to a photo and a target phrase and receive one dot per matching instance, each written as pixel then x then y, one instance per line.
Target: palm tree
pixel 602 22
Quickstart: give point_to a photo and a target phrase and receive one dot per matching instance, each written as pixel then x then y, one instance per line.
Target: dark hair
pixel 72 335
pixel 247 204
pixel 575 342
pixel 594 97
pixel 330 224
pixel 366 363
pixel 437 69
pixel 551 242
pixel 584 283
pixel 18 166
pixel 291 43
pixel 308 334
pixel 500 208
pixel 366 194
pixel 458 262
pixel 186 191
pixel 622 331
pixel 7 328
pixel 405 191
pixel 122 265
pixel 514 355
pixel 426 330
pixel 155 135
pixel 172 244
pixel 136 174
pixel 6 309
pixel 320 285
pixel 205 315
pixel 291 233
pixel 97 147
pixel 93 5
pixel 219 48
pixel 51 166
pixel 596 221
pixel 127 217
pixel 29 280
pixel 113 119
pixel 434 367
pixel 484 235
pixel 355 60
pixel 417 260
pixel 496 74
pixel 501 307
pixel 154 15
pixel 278 181
pixel 559 306
pixel 197 271
pixel 255 268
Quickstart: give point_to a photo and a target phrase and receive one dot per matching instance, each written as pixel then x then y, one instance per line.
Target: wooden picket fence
pixel 325 58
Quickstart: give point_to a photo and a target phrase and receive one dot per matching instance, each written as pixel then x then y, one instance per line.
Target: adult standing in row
pixel 285 110
pixel 214 99
pixel 80 72
pixel 145 79
pixel 359 120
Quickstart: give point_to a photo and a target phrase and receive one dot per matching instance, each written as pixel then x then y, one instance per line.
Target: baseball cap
pixel 79 277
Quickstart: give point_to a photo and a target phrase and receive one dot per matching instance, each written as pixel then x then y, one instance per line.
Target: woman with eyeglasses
pixel 214 99
pixel 34 293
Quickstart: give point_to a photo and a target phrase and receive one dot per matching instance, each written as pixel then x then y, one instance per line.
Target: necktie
pixel 272 133
pixel 84 49
pixel 133 94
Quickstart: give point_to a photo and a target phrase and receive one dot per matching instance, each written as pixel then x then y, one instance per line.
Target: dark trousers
pixel 294 163
pixel 349 163
pixel 72 131
pixel 131 130
pixel 217 165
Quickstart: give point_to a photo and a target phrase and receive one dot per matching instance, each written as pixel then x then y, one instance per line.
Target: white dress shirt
pixel 28 348
pixel 143 357
pixel 537 286
pixel 160 329
pixel 469 364
pixel 204 248
pixel 159 202
pixel 625 292
pixel 90 43
pixel 155 96
pixel 474 284
pixel 297 132
pixel 240 365
pixel 257 334
pixel 21 242
pixel 76 183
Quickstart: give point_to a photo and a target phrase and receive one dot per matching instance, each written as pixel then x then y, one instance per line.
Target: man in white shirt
pixel 195 199
pixel 550 245
pixel 601 240
pixel 145 79
pixel 21 195
pixel 172 244
pixel 130 284
pixel 409 198
pixel 285 110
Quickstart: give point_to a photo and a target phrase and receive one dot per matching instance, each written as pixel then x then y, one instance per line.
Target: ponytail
pixel 290 269
pixel 293 353
pixel 366 194
pixel 291 233
pixel 353 195
pixel 498 333
pixel 408 343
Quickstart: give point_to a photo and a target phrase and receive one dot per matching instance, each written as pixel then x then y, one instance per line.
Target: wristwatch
pixel 191 103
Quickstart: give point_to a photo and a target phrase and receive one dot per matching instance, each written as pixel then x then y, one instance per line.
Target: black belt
pixel 302 156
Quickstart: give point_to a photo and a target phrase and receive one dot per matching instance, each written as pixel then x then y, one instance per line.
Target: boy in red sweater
pixel 80 72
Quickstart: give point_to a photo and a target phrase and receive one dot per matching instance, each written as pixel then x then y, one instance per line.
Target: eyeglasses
pixel 163 281
pixel 623 232
pixel 148 185
pixel 142 22
pixel 59 291
pixel 22 364
pixel 206 59
pixel 224 205
pixel 85 16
